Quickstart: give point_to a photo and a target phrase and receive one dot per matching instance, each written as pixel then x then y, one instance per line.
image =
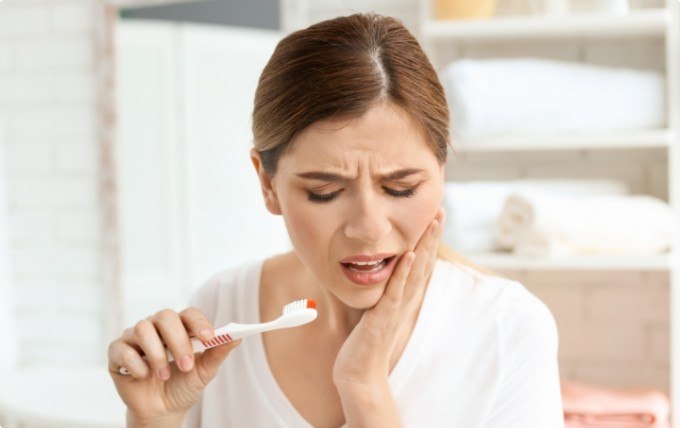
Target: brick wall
pixel 613 326
pixel 48 108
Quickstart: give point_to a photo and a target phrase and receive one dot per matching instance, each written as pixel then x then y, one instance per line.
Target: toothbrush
pixel 295 314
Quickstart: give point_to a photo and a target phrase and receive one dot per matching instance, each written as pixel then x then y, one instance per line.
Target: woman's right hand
pixel 158 392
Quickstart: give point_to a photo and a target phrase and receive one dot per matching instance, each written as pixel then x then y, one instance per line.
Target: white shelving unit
pixel 650 139
pixel 502 261
pixel 638 23
pixel 446 40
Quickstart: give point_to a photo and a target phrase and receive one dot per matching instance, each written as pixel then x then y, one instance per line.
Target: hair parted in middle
pixel 339 69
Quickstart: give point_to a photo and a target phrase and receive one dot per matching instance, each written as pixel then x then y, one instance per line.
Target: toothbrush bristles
pixel 299 305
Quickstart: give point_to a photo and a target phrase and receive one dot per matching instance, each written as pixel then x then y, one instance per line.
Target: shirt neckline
pixel 260 370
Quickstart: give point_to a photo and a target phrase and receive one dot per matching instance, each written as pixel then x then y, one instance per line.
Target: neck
pixel 335 317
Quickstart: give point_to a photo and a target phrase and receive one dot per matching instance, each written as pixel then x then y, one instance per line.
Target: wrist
pixel 367 404
pixel 364 389
pixel 169 421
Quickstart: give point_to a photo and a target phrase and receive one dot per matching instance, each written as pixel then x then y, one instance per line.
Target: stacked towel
pixel 473 207
pixel 529 95
pixel 543 223
pixel 597 407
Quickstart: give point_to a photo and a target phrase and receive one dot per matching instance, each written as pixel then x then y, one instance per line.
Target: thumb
pixel 209 361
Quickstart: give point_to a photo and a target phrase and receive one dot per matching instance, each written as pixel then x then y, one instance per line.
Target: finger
pixel 422 251
pixel 394 290
pixel 174 333
pixel 197 324
pixel 123 355
pixel 209 362
pixel 434 246
pixel 426 252
pixel 147 339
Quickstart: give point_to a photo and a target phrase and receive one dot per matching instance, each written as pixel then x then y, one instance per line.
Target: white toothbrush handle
pixel 225 334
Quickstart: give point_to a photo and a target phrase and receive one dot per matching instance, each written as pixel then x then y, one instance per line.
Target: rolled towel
pixel 594 406
pixel 543 223
pixel 474 206
pixel 531 95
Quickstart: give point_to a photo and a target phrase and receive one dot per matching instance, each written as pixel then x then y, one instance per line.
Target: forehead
pixel 385 134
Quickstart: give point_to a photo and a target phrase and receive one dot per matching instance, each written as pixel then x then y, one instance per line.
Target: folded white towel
pixel 530 95
pixel 473 207
pixel 543 223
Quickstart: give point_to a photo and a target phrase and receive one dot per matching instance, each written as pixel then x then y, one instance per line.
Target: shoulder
pixel 517 314
pixel 228 287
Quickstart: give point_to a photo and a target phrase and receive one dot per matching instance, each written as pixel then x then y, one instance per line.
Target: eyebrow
pixel 330 177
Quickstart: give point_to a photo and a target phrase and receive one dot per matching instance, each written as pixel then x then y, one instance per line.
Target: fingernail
pixel 185 362
pixel 164 373
pixel 434 229
pixel 205 333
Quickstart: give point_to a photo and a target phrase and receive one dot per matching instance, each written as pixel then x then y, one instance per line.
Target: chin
pixel 362 299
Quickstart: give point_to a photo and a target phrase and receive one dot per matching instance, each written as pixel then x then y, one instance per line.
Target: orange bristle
pixel 311 304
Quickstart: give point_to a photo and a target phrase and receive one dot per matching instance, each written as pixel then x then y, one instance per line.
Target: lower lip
pixel 372 277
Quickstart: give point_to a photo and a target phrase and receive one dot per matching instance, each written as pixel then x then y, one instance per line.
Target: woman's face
pixel 362 187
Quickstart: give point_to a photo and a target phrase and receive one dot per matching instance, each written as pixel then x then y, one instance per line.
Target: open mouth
pixel 368 266
pixel 369 273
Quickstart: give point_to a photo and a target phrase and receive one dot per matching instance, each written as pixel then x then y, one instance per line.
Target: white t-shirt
pixel 483 353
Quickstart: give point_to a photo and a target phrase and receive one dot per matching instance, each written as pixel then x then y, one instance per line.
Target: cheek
pixel 305 229
pixel 419 217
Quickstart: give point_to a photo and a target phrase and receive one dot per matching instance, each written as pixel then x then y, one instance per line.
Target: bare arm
pixel 371 406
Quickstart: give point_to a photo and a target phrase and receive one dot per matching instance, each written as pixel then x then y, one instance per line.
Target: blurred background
pixel 125 178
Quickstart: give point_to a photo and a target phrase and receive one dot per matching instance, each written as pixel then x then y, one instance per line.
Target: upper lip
pixel 366 258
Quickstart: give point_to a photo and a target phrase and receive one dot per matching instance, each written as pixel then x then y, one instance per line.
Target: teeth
pixel 368 263
pixel 368 266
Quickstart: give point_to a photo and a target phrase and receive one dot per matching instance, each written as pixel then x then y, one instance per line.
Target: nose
pixel 368 222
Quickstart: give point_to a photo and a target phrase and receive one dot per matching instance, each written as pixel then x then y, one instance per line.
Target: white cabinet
pixel 190 201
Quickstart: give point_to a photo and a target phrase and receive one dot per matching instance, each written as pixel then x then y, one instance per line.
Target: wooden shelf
pixel 649 22
pixel 653 138
pixel 508 261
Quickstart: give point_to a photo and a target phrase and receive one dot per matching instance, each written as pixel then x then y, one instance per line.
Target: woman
pixel 351 132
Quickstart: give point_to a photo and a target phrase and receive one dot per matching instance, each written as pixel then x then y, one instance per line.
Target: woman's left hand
pixel 365 359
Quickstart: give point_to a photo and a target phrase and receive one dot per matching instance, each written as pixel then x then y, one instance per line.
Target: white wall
pixel 9 356
pixel 48 99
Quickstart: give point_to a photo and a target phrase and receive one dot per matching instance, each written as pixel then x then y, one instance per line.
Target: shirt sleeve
pixel 528 393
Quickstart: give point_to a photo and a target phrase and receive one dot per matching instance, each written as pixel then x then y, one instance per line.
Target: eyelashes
pixel 322 198
pixel 407 193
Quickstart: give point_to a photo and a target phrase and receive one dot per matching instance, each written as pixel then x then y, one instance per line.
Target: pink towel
pixel 587 406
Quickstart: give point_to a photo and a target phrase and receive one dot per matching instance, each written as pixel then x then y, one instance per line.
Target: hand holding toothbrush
pixel 158 393
pixel 364 361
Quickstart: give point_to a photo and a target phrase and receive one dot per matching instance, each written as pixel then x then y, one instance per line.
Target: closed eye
pixel 327 197
pixel 406 193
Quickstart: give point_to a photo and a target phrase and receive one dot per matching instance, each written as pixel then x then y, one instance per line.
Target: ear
pixel 271 200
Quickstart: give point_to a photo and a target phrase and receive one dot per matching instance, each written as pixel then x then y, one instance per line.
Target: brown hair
pixel 340 68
